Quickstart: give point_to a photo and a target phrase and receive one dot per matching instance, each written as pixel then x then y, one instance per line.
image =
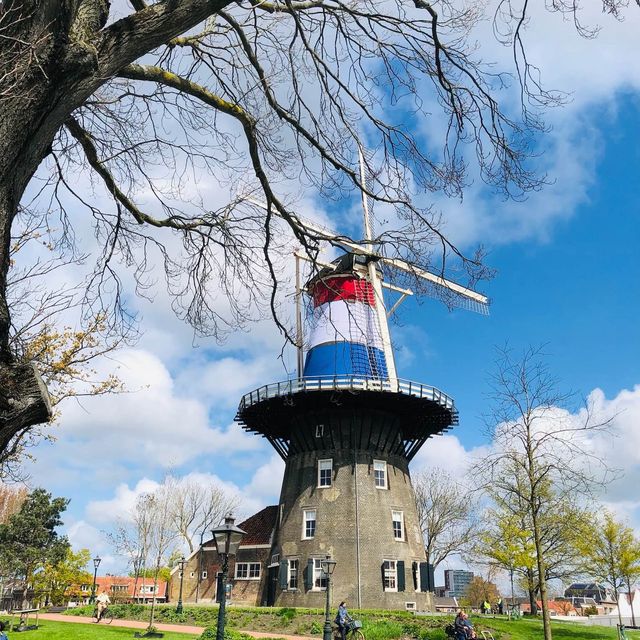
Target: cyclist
pixel 342 620
pixel 102 602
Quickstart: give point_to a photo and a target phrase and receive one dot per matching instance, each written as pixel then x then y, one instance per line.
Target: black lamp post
pixel 328 565
pixel 96 563
pixel 181 562
pixel 227 538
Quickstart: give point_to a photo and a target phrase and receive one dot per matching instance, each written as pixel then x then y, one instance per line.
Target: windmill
pixel 347 428
pixel 355 280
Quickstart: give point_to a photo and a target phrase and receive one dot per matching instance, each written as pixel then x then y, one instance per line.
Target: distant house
pixel 629 603
pixel 125 589
pixel 598 592
pixel 252 576
pixel 445 604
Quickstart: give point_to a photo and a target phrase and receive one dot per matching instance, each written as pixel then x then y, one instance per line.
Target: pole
pixel 92 599
pixel 179 607
pixel 223 598
pixel 327 633
pixel 299 337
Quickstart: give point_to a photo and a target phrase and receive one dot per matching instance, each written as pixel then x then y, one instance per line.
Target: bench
pixel 23 624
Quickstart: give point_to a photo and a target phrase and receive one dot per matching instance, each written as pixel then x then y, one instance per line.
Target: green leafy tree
pixel 612 554
pixel 58 582
pixel 29 540
pixel 541 454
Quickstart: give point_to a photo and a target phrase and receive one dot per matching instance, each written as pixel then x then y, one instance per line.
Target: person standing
pixel 500 606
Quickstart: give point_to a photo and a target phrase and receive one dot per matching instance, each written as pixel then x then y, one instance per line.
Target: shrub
pixel 315 628
pixel 287 614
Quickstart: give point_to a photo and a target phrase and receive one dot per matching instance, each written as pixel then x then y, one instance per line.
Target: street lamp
pixel 328 565
pixel 227 538
pixel 181 562
pixel 96 563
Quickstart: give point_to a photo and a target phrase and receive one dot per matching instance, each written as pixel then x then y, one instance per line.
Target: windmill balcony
pixel 345 383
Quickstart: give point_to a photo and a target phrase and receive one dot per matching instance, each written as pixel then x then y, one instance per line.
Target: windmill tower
pixel 347 429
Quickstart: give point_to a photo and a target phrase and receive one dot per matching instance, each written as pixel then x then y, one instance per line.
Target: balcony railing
pixel 345 383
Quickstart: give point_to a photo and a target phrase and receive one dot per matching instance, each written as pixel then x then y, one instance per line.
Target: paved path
pixel 177 628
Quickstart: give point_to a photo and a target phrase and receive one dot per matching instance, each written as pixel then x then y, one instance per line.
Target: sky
pixel 567 274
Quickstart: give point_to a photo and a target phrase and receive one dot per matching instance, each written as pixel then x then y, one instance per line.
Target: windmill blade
pixel 450 292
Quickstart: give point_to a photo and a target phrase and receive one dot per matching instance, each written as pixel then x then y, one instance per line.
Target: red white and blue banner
pixel 345 337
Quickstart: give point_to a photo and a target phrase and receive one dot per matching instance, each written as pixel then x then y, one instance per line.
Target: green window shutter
pixel 401 580
pixel 308 575
pixel 283 575
pixel 382 571
pixel 424 576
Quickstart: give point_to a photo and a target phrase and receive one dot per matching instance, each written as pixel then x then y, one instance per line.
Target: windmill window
pixel 309 524
pixel 204 575
pixel 325 471
pixel 390 575
pixel 397 519
pixel 293 573
pixel 380 474
pixel 319 576
pixel 319 430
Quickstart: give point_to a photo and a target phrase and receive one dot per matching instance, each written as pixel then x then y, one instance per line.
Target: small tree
pixel 55 582
pixel 540 450
pixel 446 514
pixel 612 554
pixel 478 591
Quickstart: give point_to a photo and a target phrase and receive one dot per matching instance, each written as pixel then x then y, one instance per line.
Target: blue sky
pixel 567 276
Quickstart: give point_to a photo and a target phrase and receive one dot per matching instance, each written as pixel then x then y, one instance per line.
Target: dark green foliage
pixel 287 614
pixel 29 538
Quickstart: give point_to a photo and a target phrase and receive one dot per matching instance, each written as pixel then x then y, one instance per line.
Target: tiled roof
pixel 258 527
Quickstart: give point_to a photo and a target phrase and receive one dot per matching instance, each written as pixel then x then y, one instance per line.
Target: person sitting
pixel 463 628
pixel 3 635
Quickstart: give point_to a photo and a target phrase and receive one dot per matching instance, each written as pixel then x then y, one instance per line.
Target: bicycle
pixel 353 631
pixel 106 616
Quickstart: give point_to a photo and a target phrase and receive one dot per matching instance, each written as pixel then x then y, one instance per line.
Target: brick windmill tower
pixel 347 429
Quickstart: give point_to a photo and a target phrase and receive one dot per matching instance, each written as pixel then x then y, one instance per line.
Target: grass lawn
pixel 49 630
pixel 528 629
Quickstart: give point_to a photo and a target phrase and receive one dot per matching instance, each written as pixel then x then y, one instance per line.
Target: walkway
pixel 177 628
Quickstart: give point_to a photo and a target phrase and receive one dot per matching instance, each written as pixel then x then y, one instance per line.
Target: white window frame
pixel 397 517
pixel 319 576
pixel 192 574
pixel 249 568
pixel 204 575
pixel 325 465
pixel 275 558
pixel 381 467
pixel 293 572
pixel 410 606
pixel 390 575
pixel 306 517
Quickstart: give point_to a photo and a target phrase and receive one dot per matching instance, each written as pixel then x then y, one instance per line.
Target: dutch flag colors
pixel 345 337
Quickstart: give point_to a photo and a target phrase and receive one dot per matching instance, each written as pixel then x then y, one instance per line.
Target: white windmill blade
pixel 452 293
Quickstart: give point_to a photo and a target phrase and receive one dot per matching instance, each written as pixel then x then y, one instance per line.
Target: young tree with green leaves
pixel 612 554
pixel 540 451
pixel 29 540
pixel 55 582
